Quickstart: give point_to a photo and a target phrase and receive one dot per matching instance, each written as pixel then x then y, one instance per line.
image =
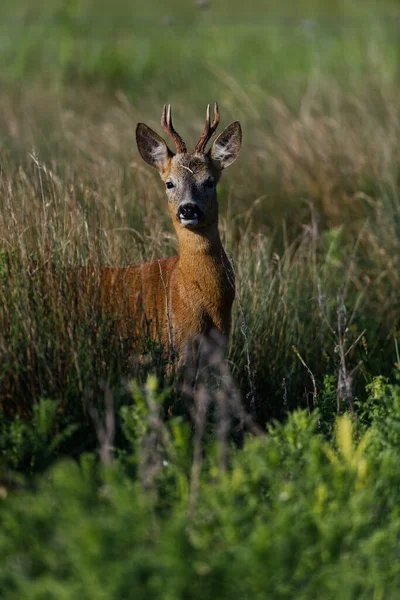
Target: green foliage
pixel 159 47
pixel 327 401
pixel 33 444
pixel 375 405
pixel 292 516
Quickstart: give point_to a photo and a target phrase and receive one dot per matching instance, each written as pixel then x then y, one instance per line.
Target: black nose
pixel 189 211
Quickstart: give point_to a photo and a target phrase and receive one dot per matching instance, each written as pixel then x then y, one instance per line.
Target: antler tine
pixel 166 123
pixel 208 116
pixel 215 122
pixel 208 129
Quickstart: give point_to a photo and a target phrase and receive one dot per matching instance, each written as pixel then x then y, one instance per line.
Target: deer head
pixel 190 177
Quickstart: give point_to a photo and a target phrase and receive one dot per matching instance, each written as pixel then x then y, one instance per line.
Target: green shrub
pixel 292 516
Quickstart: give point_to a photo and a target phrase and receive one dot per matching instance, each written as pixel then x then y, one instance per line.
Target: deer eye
pixel 169 185
pixel 209 183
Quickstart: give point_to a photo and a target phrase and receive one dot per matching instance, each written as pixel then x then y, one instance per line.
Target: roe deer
pixel 177 300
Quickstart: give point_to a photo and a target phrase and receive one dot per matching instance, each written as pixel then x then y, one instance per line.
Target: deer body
pixel 173 300
pixel 179 299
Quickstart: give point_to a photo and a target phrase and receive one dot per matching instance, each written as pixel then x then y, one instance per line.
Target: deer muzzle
pixel 189 214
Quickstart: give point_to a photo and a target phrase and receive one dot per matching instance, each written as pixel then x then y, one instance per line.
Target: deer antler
pixel 166 122
pixel 208 129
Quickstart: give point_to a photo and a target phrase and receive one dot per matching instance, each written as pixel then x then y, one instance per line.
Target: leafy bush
pixel 293 515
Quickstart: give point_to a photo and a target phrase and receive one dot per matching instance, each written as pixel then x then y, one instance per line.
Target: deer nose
pixel 189 212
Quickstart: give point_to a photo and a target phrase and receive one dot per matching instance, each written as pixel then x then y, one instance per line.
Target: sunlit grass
pixel 309 214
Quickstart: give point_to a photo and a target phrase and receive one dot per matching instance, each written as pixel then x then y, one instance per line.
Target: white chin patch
pixel 187 222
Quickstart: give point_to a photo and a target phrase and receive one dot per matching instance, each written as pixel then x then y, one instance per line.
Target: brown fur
pixel 179 299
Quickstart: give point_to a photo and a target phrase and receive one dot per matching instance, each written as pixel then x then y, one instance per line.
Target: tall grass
pixel 309 214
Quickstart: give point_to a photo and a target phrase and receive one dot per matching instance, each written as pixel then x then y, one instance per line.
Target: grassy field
pixel 310 215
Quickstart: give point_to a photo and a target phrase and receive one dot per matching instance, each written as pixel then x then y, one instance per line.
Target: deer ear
pixel 226 147
pixel 152 147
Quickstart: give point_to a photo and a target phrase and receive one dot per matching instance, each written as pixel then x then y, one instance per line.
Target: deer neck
pixel 203 261
pixel 200 245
